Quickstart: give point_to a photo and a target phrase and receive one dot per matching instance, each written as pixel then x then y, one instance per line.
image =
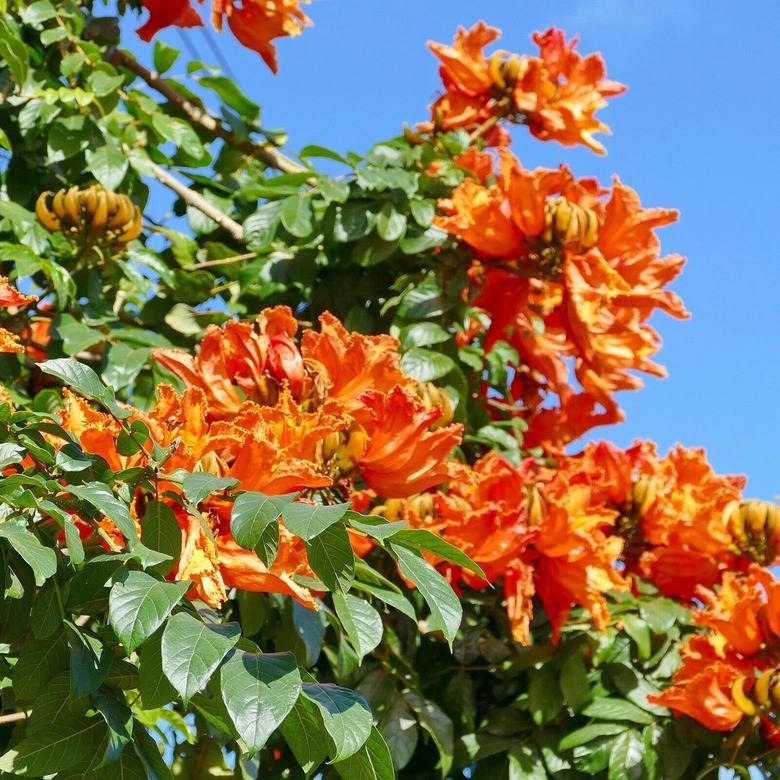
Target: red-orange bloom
pixel 255 23
pixel 351 363
pixel 556 94
pixel 403 455
pixel 242 361
pixel 561 91
pixel 580 275
pixel 706 697
pixel 11 297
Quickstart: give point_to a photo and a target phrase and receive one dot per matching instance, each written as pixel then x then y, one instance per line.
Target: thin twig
pixel 265 152
pixel 223 261
pixel 196 200
pixel 13 717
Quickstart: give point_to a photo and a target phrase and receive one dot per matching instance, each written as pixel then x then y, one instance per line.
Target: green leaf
pixel 14 51
pixel 254 515
pixel 11 453
pixel 260 227
pixel 372 762
pixel 149 753
pixel 390 224
pixel 313 150
pixel 526 763
pixel 446 610
pixel 376 527
pixel 39 660
pixel 232 96
pixel 46 616
pixel 108 163
pixel 617 709
pixel 164 56
pixel 40 11
pixel 304 732
pixel 310 520
pixel 54 705
pixel 639 631
pixel 89 663
pixel 332 558
pixel 199 486
pixel 423 334
pixel 425 365
pixel 345 715
pixel 119 720
pixel 178 132
pixel 400 730
pixel 192 651
pixel 139 604
pixel 86 381
pixel 333 190
pixel 156 690
pixel 625 760
pixel 574 682
pixel 55 749
pixel 438 724
pixel 101 498
pixel 544 695
pixel 361 622
pixel 297 215
pixel 42 560
pixel 589 733
pixel 160 531
pixel 390 597
pixel 259 690
pixel 419 538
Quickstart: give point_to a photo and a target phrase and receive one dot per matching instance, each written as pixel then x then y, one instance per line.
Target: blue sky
pixel 697 131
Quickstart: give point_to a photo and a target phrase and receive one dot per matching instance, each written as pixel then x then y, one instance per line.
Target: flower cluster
pixel 732 672
pixel 255 23
pixel 278 418
pixel 571 533
pixel 11 298
pixel 568 272
pixel 555 94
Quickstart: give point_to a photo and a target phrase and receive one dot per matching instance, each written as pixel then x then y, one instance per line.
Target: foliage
pixel 284 490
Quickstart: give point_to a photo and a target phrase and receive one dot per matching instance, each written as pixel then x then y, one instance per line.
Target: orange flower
pixel 242 360
pixel 556 94
pixel 706 697
pixel 351 363
pixel 167 13
pixel 561 91
pixel 255 23
pixel 579 278
pixel 403 455
pixel 10 297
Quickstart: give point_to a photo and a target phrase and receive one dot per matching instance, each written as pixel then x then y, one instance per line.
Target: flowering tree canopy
pixel 297 486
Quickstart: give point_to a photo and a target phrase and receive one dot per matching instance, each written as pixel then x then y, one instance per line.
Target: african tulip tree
pixel 292 492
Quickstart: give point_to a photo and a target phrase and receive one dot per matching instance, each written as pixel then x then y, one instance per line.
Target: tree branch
pixel 269 154
pixel 13 717
pixel 196 200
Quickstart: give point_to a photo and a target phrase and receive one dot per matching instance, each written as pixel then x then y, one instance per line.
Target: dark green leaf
pixel 160 531
pixel 89 663
pixel 42 560
pixel 345 715
pixel 39 660
pixel 332 558
pixel 199 486
pixel 310 520
pixel 625 760
pixel 156 690
pixel 372 762
pixel 259 690
pixel 252 515
pixel 617 709
pixel 303 731
pixel 446 610
pixel 192 651
pixel 139 604
pixel 361 622
pixel 119 720
pixel 101 498
pixel 297 215
pixel 425 365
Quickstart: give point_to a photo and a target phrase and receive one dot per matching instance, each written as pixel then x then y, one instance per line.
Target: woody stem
pixel 262 151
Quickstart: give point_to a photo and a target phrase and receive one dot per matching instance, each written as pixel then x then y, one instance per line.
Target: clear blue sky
pixel 697 131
